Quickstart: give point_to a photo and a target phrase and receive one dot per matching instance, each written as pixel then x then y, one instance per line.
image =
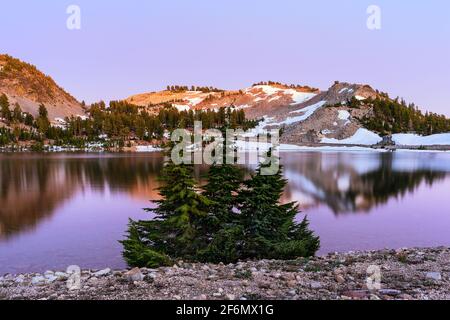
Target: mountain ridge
pixel 305 115
pixel 24 84
pixel 280 105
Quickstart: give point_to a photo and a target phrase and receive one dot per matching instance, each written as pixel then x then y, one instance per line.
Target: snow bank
pixel 290 147
pixel 297 96
pixel 274 98
pixel 343 115
pixel 194 101
pixel 409 139
pixel 307 112
pixel 181 107
pixel 243 106
pixel 362 136
pixel 259 129
pixel 264 146
pixel 147 149
pixel 269 90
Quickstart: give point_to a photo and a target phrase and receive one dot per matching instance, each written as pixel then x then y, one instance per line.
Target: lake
pixel 58 210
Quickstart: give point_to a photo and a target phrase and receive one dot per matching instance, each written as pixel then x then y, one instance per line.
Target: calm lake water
pixel 62 209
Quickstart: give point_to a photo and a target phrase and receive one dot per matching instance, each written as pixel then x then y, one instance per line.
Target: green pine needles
pixel 227 220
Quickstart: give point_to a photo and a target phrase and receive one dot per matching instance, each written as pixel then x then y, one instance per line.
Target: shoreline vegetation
pixel 405 274
pixel 141 148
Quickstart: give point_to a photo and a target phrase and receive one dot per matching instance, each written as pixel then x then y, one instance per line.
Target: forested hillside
pixel 118 123
pixel 393 116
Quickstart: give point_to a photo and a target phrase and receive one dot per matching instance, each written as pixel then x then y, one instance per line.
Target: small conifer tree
pixel 270 229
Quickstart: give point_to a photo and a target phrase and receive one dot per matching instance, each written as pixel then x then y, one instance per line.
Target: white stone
pixel 51 278
pixel 434 275
pixel 102 273
pixel 61 275
pixel 152 275
pixel 37 280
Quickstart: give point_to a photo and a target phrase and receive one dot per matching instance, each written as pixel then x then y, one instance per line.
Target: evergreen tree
pixel 270 230
pixel 221 227
pixel 174 233
pixel 28 119
pixel 17 113
pixel 4 108
pixel 42 122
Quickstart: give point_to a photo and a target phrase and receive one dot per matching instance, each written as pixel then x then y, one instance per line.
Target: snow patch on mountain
pixel 307 112
pixel 181 107
pixel 410 139
pixel 194 101
pixel 147 149
pixel 274 98
pixel 362 137
pixel 276 93
pixel 300 97
pixel 259 129
pixel 269 90
pixel 343 115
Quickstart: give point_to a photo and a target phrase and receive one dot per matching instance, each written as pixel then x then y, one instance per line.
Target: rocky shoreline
pixel 405 274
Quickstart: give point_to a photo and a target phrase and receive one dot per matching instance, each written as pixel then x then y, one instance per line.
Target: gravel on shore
pixel 406 274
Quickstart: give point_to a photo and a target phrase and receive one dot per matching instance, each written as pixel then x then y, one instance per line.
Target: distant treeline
pixel 292 86
pixel 193 88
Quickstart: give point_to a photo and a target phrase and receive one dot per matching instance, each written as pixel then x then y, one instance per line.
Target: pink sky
pixel 128 47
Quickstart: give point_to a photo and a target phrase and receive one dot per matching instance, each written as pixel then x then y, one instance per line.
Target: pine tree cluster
pixel 228 219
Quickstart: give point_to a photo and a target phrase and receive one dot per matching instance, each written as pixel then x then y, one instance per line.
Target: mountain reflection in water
pixel 352 182
pixel 33 186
